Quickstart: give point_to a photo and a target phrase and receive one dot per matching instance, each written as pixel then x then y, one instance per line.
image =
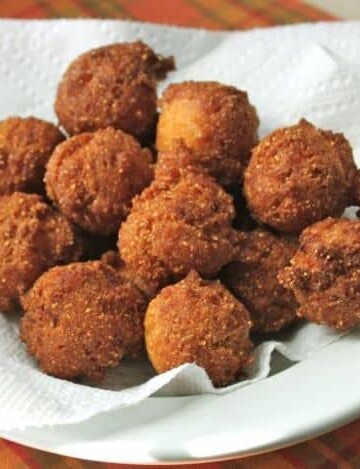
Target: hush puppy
pixel 81 319
pixel 214 121
pixel 199 321
pixel 178 225
pixel 176 163
pixel 33 237
pixel 26 144
pixel 92 178
pixel 300 175
pixel 252 279
pixel 324 273
pixel 112 86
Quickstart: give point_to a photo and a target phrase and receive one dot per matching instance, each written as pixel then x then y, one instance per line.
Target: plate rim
pixel 276 439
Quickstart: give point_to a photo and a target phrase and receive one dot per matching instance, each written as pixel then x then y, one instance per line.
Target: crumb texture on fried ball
pixel 26 144
pixel 173 228
pixel 92 178
pixel 33 237
pixel 215 122
pixel 113 259
pixel 81 319
pixel 252 279
pixel 173 164
pixel 113 85
pixel 199 321
pixel 299 175
pixel 324 273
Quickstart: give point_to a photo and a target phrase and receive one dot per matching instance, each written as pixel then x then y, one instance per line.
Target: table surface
pixel 339 449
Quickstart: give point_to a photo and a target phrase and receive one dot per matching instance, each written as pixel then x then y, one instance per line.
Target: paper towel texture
pixel 309 71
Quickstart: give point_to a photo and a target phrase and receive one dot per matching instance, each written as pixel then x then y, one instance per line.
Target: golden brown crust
pixel 299 175
pixel 115 86
pixel 174 164
pixel 26 144
pixel 324 273
pixel 198 321
pixel 214 121
pixel 252 279
pixel 113 259
pixel 345 153
pixel 173 228
pixel 81 319
pixel 92 178
pixel 33 237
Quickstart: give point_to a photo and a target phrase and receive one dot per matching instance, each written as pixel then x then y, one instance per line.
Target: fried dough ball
pixel 178 225
pixel 324 273
pixel 179 162
pixel 81 319
pixel 33 237
pixel 112 86
pixel 252 279
pixel 300 175
pixel 199 321
pixel 92 178
pixel 26 144
pixel 214 121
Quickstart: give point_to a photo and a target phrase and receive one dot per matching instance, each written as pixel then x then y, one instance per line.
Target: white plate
pixel 308 399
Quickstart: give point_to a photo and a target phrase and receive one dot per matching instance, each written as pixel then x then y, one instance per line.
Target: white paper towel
pixel 310 71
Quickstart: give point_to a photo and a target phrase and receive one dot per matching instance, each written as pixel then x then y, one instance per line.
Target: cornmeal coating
pixel 112 86
pixel 33 237
pixel 199 321
pixel 252 279
pixel 215 122
pixel 113 259
pixel 179 225
pixel 26 144
pixel 92 178
pixel 174 163
pixel 299 175
pixel 81 319
pixel 324 273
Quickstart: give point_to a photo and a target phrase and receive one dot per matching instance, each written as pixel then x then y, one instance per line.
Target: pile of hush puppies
pixel 165 225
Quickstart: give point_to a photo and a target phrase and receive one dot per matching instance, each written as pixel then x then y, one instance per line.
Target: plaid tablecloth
pixel 339 449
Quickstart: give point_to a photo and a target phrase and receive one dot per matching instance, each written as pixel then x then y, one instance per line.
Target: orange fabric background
pixel 339 449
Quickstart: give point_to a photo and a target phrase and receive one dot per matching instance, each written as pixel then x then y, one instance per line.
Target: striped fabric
pixel 212 14
pixel 339 449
